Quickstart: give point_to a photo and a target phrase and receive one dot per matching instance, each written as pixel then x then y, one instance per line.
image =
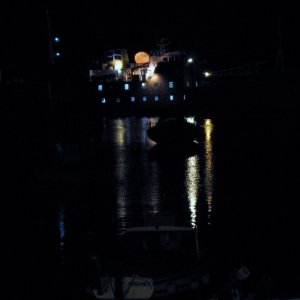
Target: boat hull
pixel 136 287
pixel 173 131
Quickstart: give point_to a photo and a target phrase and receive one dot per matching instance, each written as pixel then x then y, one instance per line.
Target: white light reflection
pixel 208 180
pixel 192 183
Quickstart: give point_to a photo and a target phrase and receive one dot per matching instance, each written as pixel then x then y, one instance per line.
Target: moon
pixel 141 57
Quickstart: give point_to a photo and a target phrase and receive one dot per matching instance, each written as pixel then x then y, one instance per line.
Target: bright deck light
pixel 118 66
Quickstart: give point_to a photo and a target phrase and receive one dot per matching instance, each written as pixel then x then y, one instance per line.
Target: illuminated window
pixel 171 84
pixel 143 85
pixel 156 98
pixel 103 100
pixel 100 87
pixel 171 97
pixel 184 97
pixel 144 98
pixel 132 98
pixel 187 83
pixel 196 84
pixel 118 100
pixel 126 86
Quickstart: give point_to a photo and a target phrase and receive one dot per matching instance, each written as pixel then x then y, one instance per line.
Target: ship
pixel 158 78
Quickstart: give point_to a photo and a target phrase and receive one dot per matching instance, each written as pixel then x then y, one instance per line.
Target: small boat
pixel 157 261
pixel 172 131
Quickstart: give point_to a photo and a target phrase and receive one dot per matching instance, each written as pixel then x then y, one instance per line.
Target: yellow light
pixel 207 74
pixel 208 128
pixel 118 65
pixel 154 77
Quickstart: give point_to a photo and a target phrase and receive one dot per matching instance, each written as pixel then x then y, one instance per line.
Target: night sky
pixel 222 34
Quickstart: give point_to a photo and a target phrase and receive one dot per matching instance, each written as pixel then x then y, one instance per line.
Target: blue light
pixel 171 84
pixel 56 39
pixel 132 99
pixel 100 87
pixel 103 100
pixel 144 98
pixel 57 54
pixel 156 98
pixel 171 97
pixel 126 86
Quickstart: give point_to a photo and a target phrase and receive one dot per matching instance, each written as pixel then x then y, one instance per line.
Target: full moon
pixel 141 57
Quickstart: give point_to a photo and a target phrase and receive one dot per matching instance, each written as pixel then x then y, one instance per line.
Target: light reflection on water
pixel 134 177
pixel 209 167
pixel 141 186
pixel 192 184
pixel 61 229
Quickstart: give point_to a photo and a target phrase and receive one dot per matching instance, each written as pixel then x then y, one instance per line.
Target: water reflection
pixel 121 169
pixel 209 171
pixel 120 126
pixel 135 179
pixel 143 185
pixel 192 183
pixel 61 230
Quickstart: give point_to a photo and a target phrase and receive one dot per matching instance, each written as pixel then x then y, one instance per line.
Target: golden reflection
pixel 208 180
pixel 192 183
pixel 120 132
pixel 208 128
pixel 128 175
pixel 121 172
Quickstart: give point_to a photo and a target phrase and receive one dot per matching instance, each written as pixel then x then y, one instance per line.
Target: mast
pixel 51 60
pixel 279 62
pixel 51 52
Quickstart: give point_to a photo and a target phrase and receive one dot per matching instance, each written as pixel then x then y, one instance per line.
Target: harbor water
pixel 238 187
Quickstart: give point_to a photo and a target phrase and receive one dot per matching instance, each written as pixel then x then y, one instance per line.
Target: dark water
pixel 238 186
